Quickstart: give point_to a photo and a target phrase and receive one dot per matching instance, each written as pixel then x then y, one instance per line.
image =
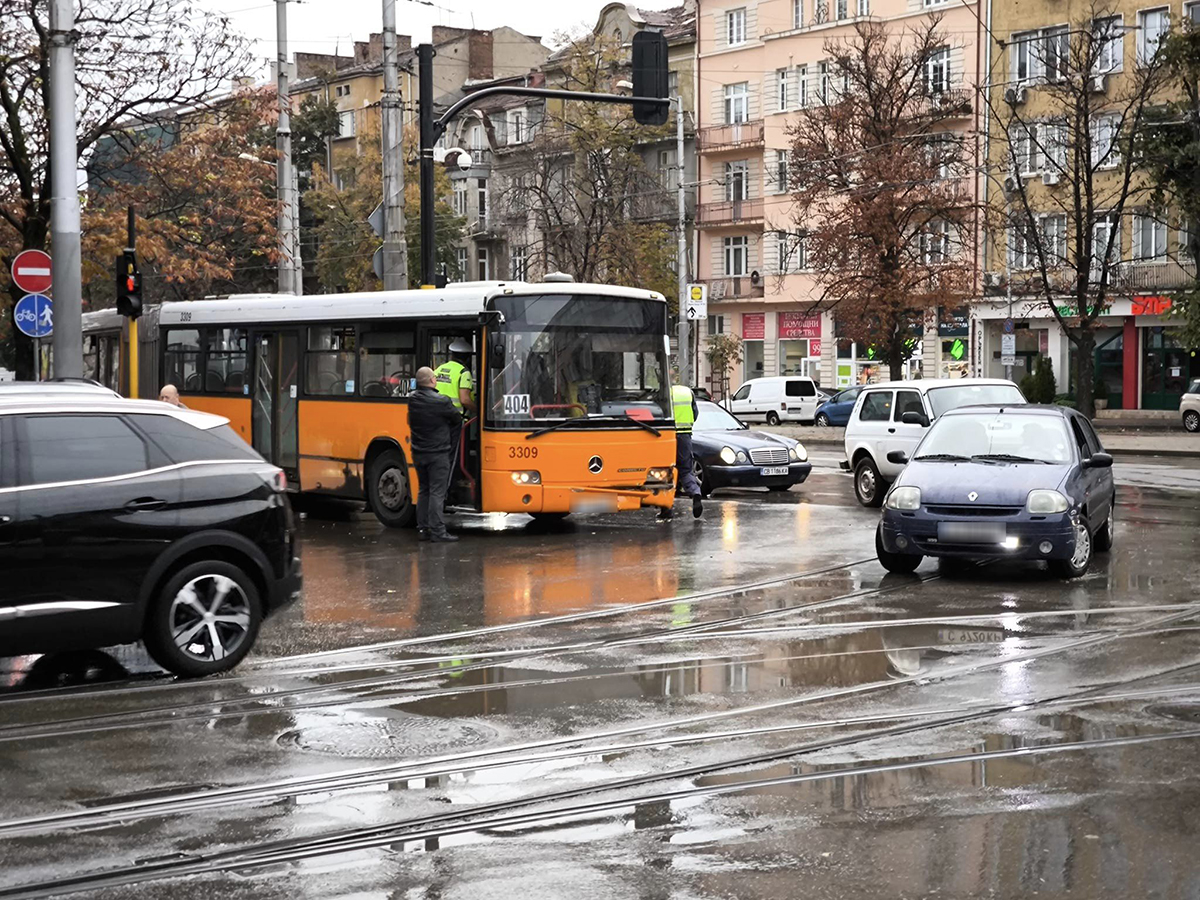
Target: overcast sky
pixel 323 26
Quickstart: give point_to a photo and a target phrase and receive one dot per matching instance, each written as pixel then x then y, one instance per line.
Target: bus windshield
pixel 564 356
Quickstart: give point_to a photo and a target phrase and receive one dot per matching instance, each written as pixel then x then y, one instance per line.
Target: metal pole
pixel 395 249
pixel 1008 370
pixel 283 166
pixel 425 54
pixel 67 340
pixel 681 254
pixel 134 349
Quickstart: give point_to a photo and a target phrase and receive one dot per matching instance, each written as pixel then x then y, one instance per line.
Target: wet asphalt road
pixel 745 706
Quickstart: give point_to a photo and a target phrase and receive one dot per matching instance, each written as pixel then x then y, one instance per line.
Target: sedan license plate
pixel 971 532
pixel 774 470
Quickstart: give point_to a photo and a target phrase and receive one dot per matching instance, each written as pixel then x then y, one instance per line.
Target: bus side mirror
pixel 496 352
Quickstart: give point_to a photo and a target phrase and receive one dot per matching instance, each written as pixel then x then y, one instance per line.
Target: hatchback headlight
pixel 728 456
pixel 905 499
pixel 1043 503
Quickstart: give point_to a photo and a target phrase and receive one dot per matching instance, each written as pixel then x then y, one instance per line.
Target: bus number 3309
pixel 522 452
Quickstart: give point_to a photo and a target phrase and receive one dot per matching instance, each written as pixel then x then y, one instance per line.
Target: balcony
pixel 730 137
pixel 954 102
pixel 738 288
pixel 729 212
pixel 1124 278
pixel 1140 277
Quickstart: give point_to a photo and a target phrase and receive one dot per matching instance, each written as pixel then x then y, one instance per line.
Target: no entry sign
pixel 31 271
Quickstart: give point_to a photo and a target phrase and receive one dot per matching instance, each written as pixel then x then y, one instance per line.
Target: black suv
pixel 125 519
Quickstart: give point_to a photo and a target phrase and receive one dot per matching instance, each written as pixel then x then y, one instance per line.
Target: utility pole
pixel 289 273
pixel 67 340
pixel 681 254
pixel 395 246
pixel 425 54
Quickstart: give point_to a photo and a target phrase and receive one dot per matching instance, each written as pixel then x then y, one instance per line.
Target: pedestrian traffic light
pixel 650 77
pixel 129 285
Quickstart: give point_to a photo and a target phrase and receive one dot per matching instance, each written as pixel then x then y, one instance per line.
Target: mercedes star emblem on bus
pixel 595 464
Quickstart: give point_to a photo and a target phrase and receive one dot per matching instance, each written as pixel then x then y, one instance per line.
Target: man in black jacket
pixel 432 422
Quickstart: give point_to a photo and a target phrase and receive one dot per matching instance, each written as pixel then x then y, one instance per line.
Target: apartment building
pixel 758 63
pixel 517 146
pixel 1135 355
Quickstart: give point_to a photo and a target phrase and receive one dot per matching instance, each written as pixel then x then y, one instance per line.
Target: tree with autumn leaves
pixel 134 59
pixel 883 201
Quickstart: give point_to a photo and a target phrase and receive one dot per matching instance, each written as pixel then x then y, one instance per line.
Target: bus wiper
pixel 1008 457
pixel 565 422
pixel 943 457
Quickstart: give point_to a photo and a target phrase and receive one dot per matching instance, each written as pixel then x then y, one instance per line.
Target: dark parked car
pixel 1001 482
pixel 729 454
pixel 836 410
pixel 124 519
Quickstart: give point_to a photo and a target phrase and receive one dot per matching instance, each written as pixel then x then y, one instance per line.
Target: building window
pixel 476 139
pixel 737 181
pixel 781 82
pixel 735 26
pixel 673 83
pixel 783 246
pixel 1108 39
pixel 1054 147
pixel 460 198
pixel 460 259
pixel 1056 52
pixel 1021 53
pixel 481 257
pixel 737 249
pixel 797 13
pixel 937 71
pixel 935 2
pixel 1153 25
pixel 1192 11
pixel 516 126
pixel 823 83
pixel 1022 248
pixel 1054 231
pixel 737 103
pixel 1105 230
pixel 820 12
pixel 944 151
pixel 481 196
pixel 520 263
pixel 1026 153
pixel 843 9
pixel 668 171
pixel 716 324
pixel 781 171
pixel 346 124
pixel 935 243
pixel 1104 133
pixel 1149 239
pixel 864 7
pixel 802 78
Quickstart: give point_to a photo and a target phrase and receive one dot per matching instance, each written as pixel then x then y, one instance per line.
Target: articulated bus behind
pixel 571 380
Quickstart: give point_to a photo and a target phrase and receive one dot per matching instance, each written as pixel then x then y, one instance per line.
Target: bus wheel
pixel 387 490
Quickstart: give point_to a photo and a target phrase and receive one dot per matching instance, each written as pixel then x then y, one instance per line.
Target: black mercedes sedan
pixel 729 454
pixel 1001 482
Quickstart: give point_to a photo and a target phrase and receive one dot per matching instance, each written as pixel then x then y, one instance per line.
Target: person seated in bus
pixel 434 424
pixel 170 394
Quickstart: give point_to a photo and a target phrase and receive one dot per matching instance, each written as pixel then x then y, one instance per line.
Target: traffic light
pixel 650 77
pixel 129 285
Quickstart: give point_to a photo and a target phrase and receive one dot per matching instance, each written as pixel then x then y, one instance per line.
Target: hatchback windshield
pixel 1001 436
pixel 713 418
pixel 944 399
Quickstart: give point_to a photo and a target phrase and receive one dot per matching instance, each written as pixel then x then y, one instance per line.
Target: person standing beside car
pixel 433 422
pixel 683 402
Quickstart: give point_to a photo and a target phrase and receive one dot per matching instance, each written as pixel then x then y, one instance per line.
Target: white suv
pixel 894 416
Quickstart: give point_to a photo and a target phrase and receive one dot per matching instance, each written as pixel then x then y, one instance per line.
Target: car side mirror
pixel 915 418
pixel 898 457
pixel 1099 460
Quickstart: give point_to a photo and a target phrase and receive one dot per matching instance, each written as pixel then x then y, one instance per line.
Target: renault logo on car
pixel 972 496
pixel 595 464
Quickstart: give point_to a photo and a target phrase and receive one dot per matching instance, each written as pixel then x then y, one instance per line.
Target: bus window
pixel 387 362
pixel 329 362
pixel 225 367
pixel 183 359
pixel 91 358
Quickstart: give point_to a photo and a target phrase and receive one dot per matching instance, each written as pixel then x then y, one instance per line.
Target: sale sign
pixel 799 325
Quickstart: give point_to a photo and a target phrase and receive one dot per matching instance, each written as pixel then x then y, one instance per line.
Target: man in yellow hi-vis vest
pixel 683 402
pixel 453 379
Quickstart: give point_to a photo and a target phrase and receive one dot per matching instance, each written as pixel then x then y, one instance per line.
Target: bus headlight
pixel 1041 503
pixel 728 456
pixel 904 498
pixel 527 477
pixel 659 476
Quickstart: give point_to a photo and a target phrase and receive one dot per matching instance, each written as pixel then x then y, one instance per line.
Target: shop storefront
pixel 799 344
pixel 774 342
pixel 754 333
pixel 1135 356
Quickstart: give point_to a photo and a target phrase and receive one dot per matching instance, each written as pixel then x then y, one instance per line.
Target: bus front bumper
pixel 536 498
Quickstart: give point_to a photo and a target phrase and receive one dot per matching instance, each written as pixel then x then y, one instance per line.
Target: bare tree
pixel 884 207
pixel 133 57
pixel 1067 124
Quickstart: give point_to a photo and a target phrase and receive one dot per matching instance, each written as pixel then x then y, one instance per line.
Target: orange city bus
pixel 572 386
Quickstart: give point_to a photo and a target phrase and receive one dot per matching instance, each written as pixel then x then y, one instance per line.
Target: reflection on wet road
pixel 744 706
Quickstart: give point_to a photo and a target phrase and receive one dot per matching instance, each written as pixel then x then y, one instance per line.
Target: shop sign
pixel 954 324
pixel 814 347
pixel 799 325
pixel 754 326
pixel 958 349
pixel 1070 311
pixel 1151 306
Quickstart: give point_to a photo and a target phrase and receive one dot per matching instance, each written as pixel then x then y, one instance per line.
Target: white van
pixel 780 398
pixel 878 424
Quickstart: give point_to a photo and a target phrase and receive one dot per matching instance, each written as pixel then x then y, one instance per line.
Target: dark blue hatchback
pixel 1001 482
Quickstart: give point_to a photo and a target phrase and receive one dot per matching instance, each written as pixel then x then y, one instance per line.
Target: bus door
pixel 274 419
pixel 438 339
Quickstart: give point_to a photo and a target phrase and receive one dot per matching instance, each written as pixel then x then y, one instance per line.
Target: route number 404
pixel 516 405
